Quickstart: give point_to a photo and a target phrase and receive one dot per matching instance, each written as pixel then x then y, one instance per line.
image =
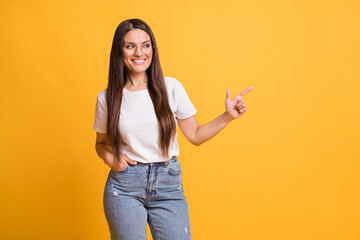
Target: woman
pixel 135 120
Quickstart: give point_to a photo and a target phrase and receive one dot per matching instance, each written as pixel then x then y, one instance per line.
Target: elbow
pixel 196 143
pixel 97 146
pixel 97 149
pixel 195 139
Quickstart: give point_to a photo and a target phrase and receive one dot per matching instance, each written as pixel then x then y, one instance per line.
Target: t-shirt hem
pixel 184 116
pixel 142 160
pixel 99 130
pixel 155 161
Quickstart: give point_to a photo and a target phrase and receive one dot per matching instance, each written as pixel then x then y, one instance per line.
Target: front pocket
pixel 124 170
pixel 174 168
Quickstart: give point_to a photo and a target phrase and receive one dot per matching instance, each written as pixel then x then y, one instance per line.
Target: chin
pixel 138 70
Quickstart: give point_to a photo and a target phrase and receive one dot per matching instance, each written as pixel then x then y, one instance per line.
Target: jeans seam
pixel 155 230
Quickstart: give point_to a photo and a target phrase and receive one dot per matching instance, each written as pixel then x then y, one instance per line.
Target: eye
pixel 147 45
pixel 129 46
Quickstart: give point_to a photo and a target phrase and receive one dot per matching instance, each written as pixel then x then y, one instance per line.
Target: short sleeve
pixel 100 115
pixel 184 107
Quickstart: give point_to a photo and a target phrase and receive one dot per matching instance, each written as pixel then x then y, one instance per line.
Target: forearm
pixel 103 152
pixel 210 129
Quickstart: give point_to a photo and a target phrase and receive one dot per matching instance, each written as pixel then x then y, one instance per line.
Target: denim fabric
pixel 147 193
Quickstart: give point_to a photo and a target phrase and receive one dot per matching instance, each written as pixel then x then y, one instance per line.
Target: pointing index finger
pixel 246 91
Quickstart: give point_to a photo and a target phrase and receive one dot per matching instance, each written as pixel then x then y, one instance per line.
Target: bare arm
pixel 108 158
pixel 101 149
pixel 199 134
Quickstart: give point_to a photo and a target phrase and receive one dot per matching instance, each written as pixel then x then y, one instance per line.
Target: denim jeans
pixel 147 193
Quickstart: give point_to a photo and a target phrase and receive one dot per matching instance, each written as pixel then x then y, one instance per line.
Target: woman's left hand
pixel 236 107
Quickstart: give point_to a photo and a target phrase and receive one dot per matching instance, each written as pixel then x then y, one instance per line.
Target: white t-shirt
pixel 138 123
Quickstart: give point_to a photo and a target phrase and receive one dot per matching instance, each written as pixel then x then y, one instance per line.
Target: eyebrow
pixel 133 43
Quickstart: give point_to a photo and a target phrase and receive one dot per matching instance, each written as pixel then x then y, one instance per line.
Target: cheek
pixel 149 59
pixel 126 57
pixel 126 60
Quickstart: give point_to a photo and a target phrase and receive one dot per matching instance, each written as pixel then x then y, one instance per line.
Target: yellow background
pixel 287 169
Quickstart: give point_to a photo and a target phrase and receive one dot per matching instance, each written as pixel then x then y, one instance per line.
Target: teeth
pixel 138 61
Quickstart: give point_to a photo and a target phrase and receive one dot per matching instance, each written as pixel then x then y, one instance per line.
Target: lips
pixel 138 61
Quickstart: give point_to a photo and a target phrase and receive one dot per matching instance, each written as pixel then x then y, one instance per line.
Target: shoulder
pixel 172 83
pixel 102 94
pixel 101 97
pixel 170 80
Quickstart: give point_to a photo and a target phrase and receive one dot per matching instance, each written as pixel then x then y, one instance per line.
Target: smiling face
pixel 137 51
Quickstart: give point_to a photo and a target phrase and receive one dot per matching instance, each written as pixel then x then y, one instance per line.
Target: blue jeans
pixel 147 193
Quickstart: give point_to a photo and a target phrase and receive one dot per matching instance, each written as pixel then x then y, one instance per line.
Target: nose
pixel 138 51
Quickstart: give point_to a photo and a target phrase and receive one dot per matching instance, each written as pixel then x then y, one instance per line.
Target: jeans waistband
pixel 171 160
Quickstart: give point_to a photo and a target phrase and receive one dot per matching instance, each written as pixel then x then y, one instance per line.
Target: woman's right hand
pixel 121 164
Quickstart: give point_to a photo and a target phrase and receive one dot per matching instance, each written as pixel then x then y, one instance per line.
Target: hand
pixel 236 107
pixel 119 165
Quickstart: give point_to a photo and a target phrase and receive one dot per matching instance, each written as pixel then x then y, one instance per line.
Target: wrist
pixel 228 117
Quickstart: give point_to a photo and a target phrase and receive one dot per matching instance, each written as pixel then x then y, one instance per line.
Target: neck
pixel 136 79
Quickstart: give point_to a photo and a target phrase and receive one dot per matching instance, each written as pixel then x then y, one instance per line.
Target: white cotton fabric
pixel 138 123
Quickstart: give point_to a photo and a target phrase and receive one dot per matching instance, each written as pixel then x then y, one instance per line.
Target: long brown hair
pixel 156 87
